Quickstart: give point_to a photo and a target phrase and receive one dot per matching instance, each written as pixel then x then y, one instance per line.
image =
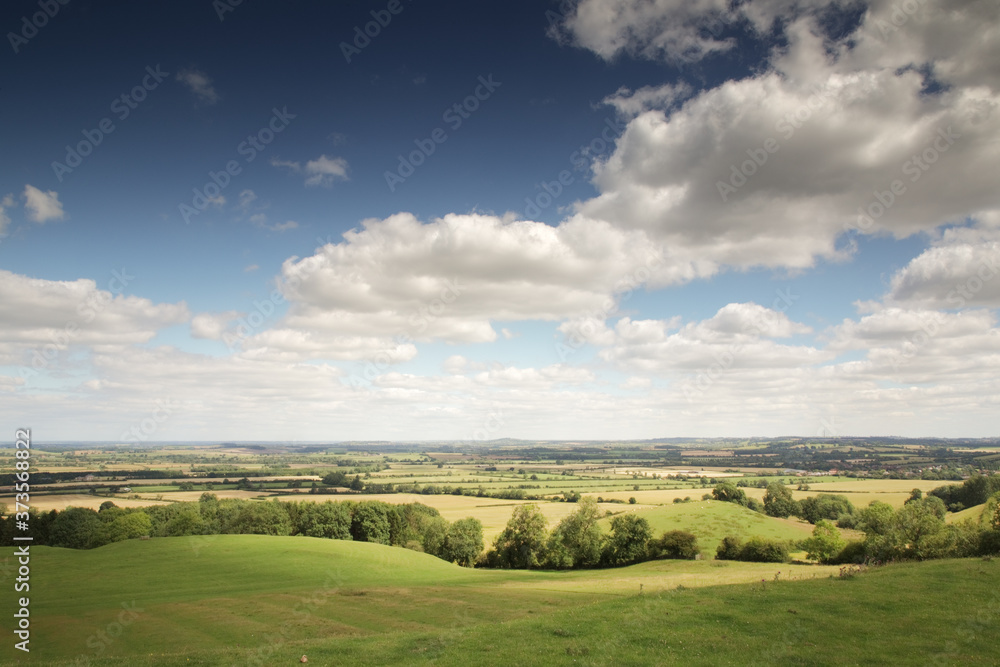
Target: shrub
pixel 674 544
pixel 628 542
pixel 778 501
pixel 729 493
pixel 825 506
pixel 825 543
pixel 762 550
pixel 852 553
pixel 756 549
pixel 989 543
pixel 729 548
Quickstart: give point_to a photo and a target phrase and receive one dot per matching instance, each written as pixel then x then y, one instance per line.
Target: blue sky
pixel 697 271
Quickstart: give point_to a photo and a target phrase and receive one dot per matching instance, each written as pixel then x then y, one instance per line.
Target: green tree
pixel 128 526
pixel 778 501
pixel 825 506
pixel 875 519
pixel 262 518
pixel 576 541
pixel 464 542
pixel 729 548
pixel 185 522
pixel 674 544
pixel 335 478
pixel 728 492
pixel 825 543
pixel 629 540
pixel 330 520
pixel 370 522
pixel 521 544
pixel 914 532
pixel 433 532
pixel 77 528
pixel 762 550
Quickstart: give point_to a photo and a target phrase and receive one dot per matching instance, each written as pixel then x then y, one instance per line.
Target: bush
pixel 778 501
pixel 628 542
pixel 729 548
pixel 825 506
pixel 825 543
pixel 853 553
pixel 674 544
pixel 756 550
pixel 989 543
pixel 729 493
pixel 762 550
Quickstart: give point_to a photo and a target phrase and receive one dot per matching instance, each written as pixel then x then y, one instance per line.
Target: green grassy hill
pixel 237 599
pixel 973 513
pixel 711 520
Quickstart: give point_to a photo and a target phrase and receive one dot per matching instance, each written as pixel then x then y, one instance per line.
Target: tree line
pixel 917 531
pixel 579 541
pixel 414 525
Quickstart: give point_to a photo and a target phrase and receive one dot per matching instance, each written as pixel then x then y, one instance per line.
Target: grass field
pixel 231 599
pixel 711 520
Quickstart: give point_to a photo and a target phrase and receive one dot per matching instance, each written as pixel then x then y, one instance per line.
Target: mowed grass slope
pixel 937 612
pixel 229 591
pixel 931 613
pixel 712 520
pixel 225 597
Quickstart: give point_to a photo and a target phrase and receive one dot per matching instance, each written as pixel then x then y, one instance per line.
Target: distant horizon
pixel 681 439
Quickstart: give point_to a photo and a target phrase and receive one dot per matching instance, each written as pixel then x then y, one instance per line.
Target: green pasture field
pixel 232 599
pixel 712 520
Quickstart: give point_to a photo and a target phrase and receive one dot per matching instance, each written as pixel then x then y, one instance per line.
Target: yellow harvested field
pixel 61 502
pixel 880 485
pixel 655 496
pixel 675 472
pixel 188 496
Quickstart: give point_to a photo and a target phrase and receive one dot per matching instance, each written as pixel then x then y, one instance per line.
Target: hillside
pixel 226 600
pixel 711 520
